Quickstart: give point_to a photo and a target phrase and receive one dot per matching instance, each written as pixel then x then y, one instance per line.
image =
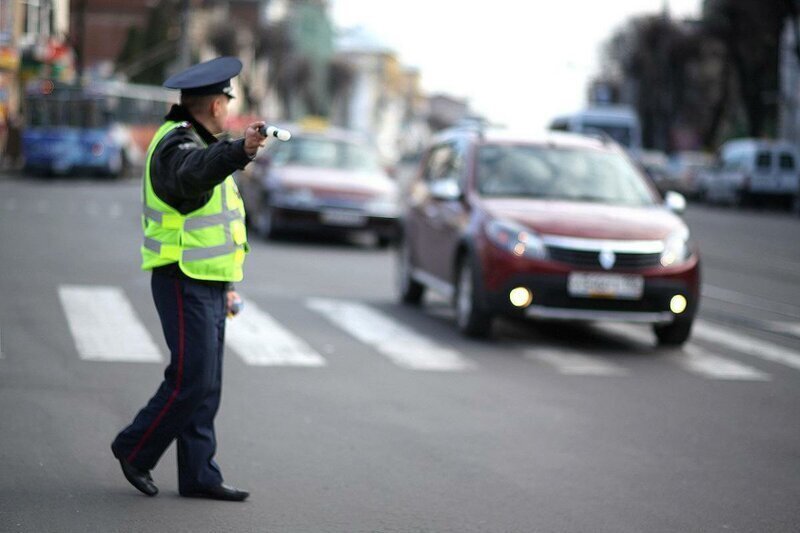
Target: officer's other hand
pixel 253 139
pixel 233 303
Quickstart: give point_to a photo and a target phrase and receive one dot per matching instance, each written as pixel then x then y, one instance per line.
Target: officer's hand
pixel 252 139
pixel 233 303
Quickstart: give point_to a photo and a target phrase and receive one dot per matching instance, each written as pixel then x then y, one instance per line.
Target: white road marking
pixel 709 365
pixel 753 302
pixel 105 326
pixel 746 344
pixel 574 363
pixel 693 358
pixel 42 206
pixel 790 328
pixel 261 341
pixel 400 344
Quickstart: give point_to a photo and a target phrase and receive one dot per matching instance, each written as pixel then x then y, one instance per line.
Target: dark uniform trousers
pixel 193 319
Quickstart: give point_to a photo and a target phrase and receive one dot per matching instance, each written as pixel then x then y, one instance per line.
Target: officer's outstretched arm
pixel 195 169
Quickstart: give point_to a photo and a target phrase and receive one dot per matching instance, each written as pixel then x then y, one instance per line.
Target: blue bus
pixel 87 130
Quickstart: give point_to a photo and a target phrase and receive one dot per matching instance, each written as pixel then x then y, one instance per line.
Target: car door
pixel 444 212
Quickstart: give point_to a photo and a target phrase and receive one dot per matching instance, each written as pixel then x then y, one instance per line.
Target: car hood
pixel 587 220
pixel 326 181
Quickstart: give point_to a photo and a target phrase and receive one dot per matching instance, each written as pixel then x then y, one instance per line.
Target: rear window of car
pixel 576 174
pixel 763 160
pixel 786 161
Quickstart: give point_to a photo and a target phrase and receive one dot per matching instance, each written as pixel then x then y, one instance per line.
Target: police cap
pixel 209 77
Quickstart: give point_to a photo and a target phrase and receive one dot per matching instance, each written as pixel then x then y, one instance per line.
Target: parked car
pixel 560 227
pixel 322 180
pixel 685 170
pixel 655 165
pixel 753 169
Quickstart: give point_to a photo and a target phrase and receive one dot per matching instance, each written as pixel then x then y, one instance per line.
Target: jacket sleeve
pixel 187 169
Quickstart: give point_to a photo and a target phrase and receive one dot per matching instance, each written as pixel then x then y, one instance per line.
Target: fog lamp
pixel 678 304
pixel 520 297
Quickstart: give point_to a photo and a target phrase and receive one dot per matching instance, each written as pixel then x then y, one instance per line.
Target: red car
pixel 562 227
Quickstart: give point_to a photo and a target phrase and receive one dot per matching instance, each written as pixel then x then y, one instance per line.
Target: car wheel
pixel 409 290
pixel 472 319
pixel 674 334
pixel 265 222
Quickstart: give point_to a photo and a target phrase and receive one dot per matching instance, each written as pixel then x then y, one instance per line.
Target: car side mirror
pixel 675 202
pixel 445 190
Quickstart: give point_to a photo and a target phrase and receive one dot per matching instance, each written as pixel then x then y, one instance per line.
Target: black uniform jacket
pixel 186 166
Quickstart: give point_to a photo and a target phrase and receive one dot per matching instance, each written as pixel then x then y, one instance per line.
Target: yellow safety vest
pixel 209 243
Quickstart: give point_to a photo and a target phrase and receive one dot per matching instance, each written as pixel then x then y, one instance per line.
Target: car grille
pixel 591 259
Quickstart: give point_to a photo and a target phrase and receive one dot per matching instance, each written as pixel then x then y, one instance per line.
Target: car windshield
pixel 326 153
pixel 560 173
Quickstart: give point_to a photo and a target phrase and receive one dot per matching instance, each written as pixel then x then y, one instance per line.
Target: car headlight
pixel 516 239
pixel 294 197
pixel 677 248
pixel 384 206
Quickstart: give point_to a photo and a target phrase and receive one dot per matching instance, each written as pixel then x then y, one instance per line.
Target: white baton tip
pixel 283 135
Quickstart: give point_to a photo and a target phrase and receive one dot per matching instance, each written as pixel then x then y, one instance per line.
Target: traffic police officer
pixel 194 244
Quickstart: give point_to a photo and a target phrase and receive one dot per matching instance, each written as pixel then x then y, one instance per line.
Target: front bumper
pixel 323 220
pixel 552 301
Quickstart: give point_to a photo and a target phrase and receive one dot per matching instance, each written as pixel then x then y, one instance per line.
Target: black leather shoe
pixel 221 492
pixel 138 478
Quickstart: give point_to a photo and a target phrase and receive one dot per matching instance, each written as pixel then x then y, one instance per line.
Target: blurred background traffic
pixel 80 81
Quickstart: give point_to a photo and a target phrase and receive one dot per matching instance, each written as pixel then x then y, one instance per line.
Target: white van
pixel 751 169
pixel 619 122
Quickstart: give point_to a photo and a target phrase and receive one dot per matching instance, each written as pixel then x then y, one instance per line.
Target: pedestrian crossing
pixel 260 340
pixel 105 327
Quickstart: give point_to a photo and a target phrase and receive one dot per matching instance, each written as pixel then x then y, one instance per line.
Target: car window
pixel 763 160
pixel 560 173
pixel 786 161
pixel 443 162
pixel 326 153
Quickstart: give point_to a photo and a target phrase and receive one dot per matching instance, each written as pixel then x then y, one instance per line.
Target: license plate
pixel 342 218
pixel 599 285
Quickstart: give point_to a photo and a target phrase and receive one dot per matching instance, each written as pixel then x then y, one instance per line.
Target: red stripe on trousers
pixel 178 380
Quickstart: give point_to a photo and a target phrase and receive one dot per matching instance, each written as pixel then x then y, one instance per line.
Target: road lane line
pixel 746 344
pixel 105 326
pixel 693 358
pixel 753 302
pixel 261 341
pixel 710 365
pixel 401 345
pixel 574 363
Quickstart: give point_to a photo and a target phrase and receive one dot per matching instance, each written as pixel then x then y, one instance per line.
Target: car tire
pixel 674 334
pixel 409 290
pixel 265 222
pixel 471 316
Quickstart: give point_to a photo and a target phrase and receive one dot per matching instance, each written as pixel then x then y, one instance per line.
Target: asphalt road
pixel 334 419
